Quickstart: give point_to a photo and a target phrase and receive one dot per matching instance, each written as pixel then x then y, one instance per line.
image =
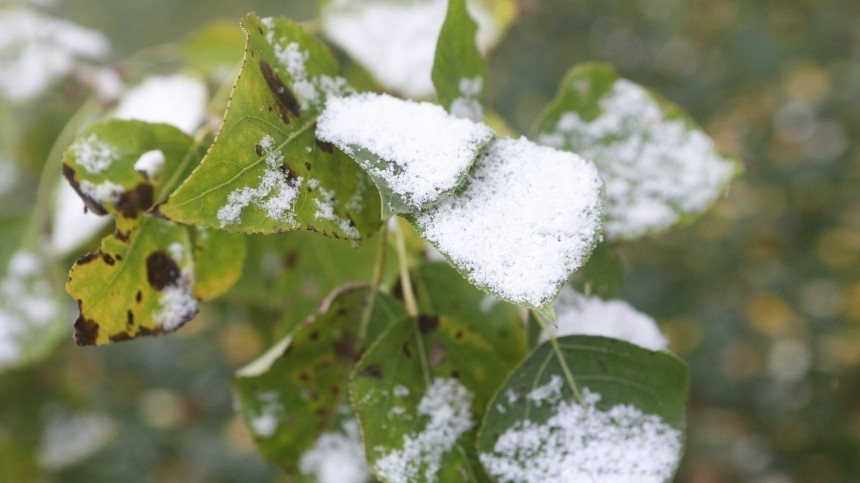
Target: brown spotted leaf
pixel 267 172
pixel 140 284
pixel 295 392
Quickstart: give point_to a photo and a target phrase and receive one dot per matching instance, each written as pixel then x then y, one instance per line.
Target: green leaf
pixel 627 426
pixel 266 171
pixel 215 49
pixel 218 260
pixel 117 167
pixel 602 274
pixel 440 290
pixel 459 71
pixel 136 284
pixel 290 403
pixel 659 168
pixel 418 393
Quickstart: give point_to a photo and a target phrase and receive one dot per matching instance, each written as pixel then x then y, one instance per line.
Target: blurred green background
pixel 761 296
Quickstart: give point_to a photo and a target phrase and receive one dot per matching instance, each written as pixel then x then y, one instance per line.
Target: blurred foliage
pixel 761 296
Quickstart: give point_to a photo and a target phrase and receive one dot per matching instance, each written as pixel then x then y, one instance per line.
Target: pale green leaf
pixel 266 172
pixel 628 424
pixel 658 166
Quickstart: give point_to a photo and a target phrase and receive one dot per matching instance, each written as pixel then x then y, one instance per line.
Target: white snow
pixel 36 49
pixel 104 192
pixel 425 150
pixel 274 194
pixel 549 393
pixel 337 456
pixel 447 404
pixel 401 391
pixel 396 41
pixel 527 218
pixel 177 304
pixel 25 305
pixel 93 154
pixel 67 440
pixel 265 423
pixel 310 90
pixel 468 105
pixel 324 205
pixel 150 163
pixel 72 225
pixel 582 315
pixel 176 99
pixel 582 443
pixel 655 169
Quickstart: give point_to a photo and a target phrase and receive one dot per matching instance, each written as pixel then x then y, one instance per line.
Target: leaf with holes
pixel 117 167
pixel 627 426
pixel 419 392
pixel 266 171
pixel 136 284
pixel 292 395
pixel 459 71
pixel 659 168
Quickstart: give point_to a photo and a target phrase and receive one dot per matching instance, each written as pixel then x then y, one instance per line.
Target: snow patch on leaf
pixel 424 150
pixel 526 218
pixel 656 168
pixel 93 154
pixel 266 421
pixel 150 163
pixel 581 315
pixel 585 443
pixel 275 194
pixel 468 105
pixel 447 404
pixel 337 456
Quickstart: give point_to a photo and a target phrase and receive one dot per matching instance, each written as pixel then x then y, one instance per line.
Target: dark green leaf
pixel 459 71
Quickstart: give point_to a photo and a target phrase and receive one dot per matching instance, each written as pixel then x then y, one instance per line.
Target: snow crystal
pixel 265 423
pixel 36 49
pixel 396 41
pixel 337 456
pixel 654 168
pixel 325 211
pixel 104 192
pixel 275 194
pixel 468 105
pixel 67 440
pixel 578 314
pixel 448 405
pixel 549 393
pixel 425 149
pixel 150 163
pixel 93 154
pixel 73 225
pixel 581 443
pixel 25 304
pixel 527 218
pixel 177 99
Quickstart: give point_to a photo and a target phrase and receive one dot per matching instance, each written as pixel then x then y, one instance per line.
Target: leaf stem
pixel 555 348
pixel 375 282
pixel 405 280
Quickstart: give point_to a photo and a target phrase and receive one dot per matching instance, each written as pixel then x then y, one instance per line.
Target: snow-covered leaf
pixel 415 152
pixel 658 166
pixel 289 404
pixel 628 426
pixel 266 172
pixel 395 40
pixel 525 219
pixel 459 71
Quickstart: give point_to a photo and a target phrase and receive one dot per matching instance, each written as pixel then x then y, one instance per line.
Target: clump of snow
pixel 337 456
pixel 447 404
pixel 67 440
pixel 178 100
pixel 275 194
pixel 36 49
pixel 325 210
pixel 177 304
pixel 581 315
pixel 527 217
pixel 580 443
pixel 104 192
pixel 425 151
pixel 655 169
pixel 468 105
pixel 93 154
pixel 549 393
pixel 396 41
pixel 26 305
pixel 401 391
pixel 150 163
pixel 73 225
pixel 265 422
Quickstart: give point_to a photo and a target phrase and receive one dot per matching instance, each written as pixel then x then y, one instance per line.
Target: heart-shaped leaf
pixel 658 166
pixel 627 426
pixel 266 172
